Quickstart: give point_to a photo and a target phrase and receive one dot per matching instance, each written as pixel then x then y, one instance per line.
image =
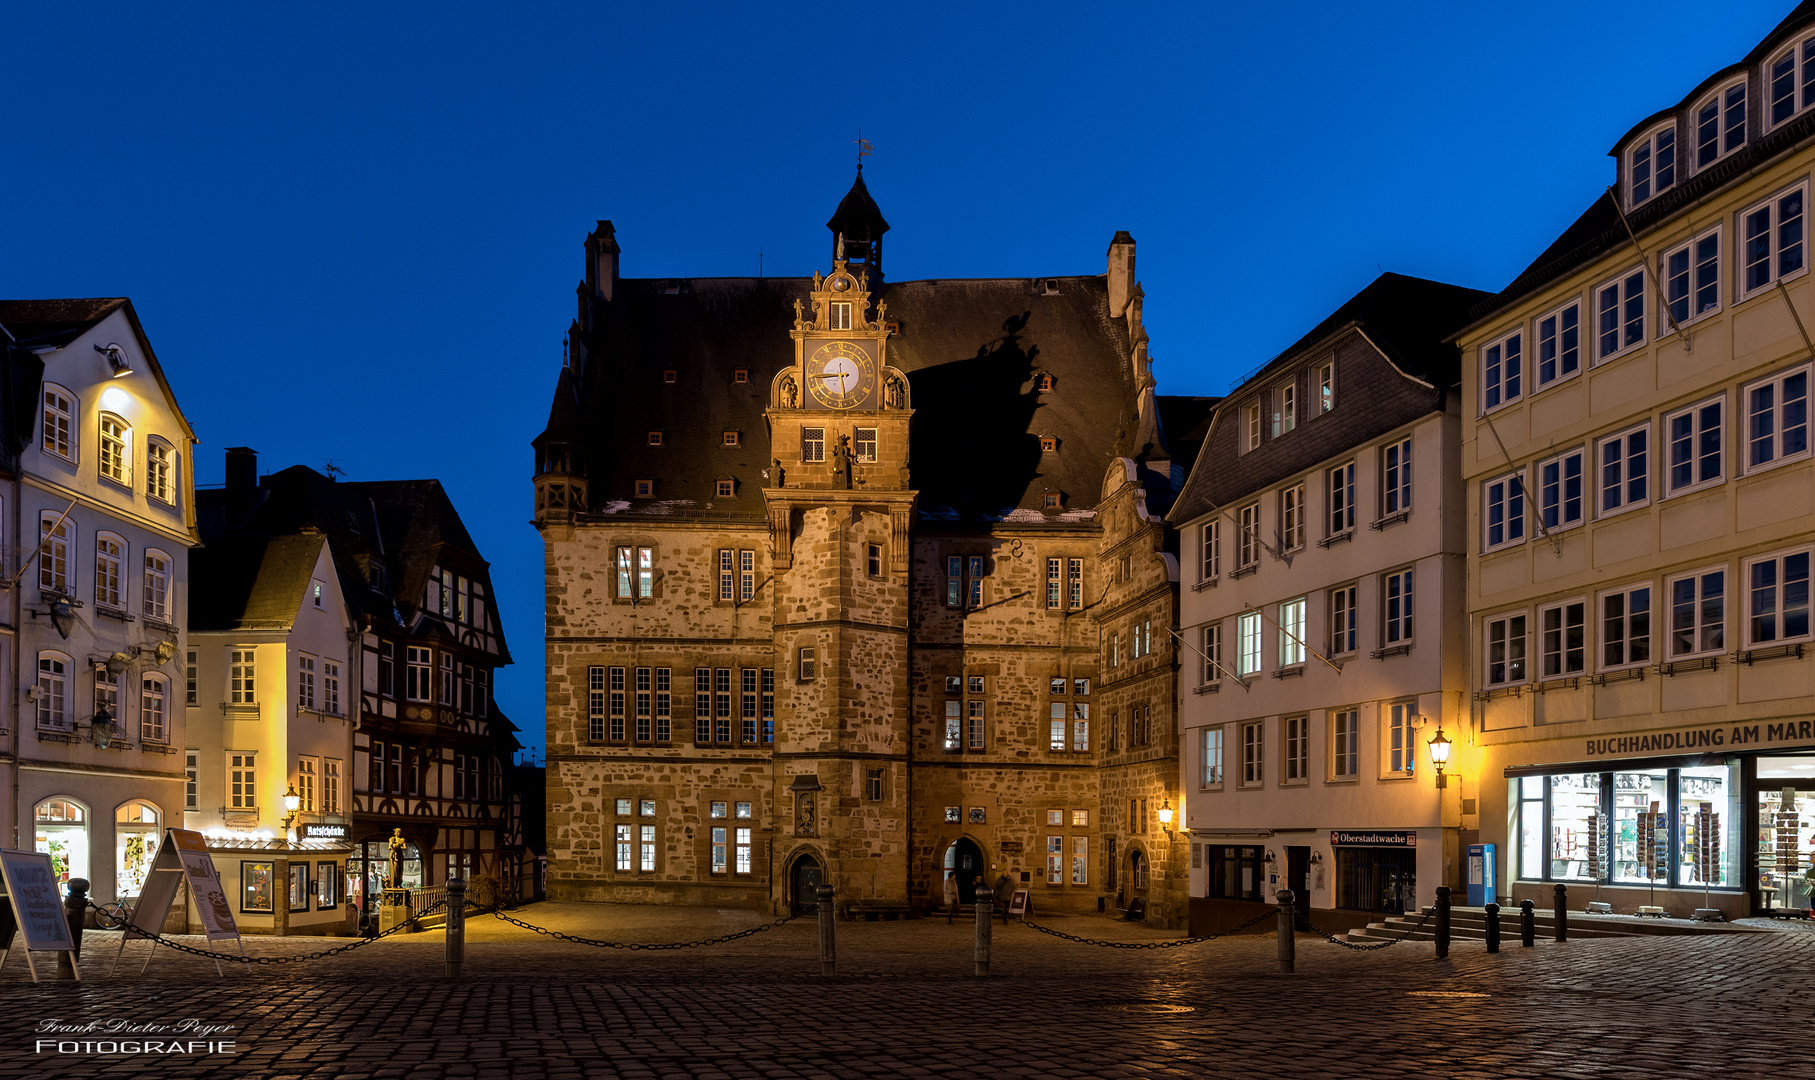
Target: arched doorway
pixel 62 833
pixel 965 859
pixel 804 881
pixel 1137 873
pixel 135 839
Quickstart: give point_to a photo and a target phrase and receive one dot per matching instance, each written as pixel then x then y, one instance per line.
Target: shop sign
pixel 1704 738
pixel 1339 838
pixel 324 832
pixel 31 884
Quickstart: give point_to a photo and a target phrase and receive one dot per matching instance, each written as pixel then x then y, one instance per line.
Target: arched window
pixel 52 692
pixel 154 693
pixel 110 554
pixel 160 470
pixel 135 840
pixel 1717 126
pixel 1790 81
pixel 1137 870
pixel 53 553
pixel 1651 165
pixel 116 449
pixel 62 833
pixel 59 416
pixel 157 585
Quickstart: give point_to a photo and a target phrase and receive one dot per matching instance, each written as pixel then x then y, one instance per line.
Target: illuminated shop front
pixel 62 833
pixel 284 887
pixel 137 828
pixel 1733 832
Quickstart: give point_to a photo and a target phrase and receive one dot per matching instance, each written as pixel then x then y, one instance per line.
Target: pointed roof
pixel 858 210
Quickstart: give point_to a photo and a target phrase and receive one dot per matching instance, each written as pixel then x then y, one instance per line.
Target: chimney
pixel 602 261
pixel 1121 272
pixel 242 481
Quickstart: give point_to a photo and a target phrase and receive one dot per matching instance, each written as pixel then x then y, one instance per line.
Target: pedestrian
pixel 951 895
pixel 1003 888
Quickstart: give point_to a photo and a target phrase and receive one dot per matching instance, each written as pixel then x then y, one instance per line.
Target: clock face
pixel 841 374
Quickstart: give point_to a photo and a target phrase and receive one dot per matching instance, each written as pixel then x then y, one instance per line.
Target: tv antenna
pixel 334 471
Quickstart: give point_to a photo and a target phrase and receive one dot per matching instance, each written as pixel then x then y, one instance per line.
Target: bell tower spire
pixel 857 225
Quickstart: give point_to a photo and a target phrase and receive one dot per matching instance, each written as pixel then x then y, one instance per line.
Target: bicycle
pixel 112 916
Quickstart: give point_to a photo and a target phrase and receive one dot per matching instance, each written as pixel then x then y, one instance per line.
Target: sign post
pixel 31 886
pixel 183 856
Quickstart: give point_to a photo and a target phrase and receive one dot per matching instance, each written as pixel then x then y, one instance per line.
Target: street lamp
pixel 62 616
pixel 292 803
pixel 1166 816
pixel 1440 756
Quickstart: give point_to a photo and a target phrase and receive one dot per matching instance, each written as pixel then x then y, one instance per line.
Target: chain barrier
pixel 642 946
pixel 1376 947
pixel 162 940
pixel 1169 944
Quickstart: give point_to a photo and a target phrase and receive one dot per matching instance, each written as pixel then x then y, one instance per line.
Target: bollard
pixel 456 925
pixel 1442 921
pixel 1493 928
pixel 985 912
pixel 1528 923
pixel 1288 943
pixel 75 909
pixel 1562 912
pixel 828 930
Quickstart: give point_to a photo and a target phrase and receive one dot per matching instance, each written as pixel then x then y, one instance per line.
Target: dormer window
pixel 1720 124
pixel 1051 502
pixel 655 438
pixel 841 315
pixel 670 376
pixel 740 375
pixel 1651 164
pixel 645 488
pixel 1043 382
pixel 726 489
pixel 730 438
pixel 671 287
pixel 1795 68
pixel 1285 408
pixel 1049 287
pixel 1048 444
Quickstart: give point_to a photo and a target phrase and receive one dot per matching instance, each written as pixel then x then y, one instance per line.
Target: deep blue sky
pixel 353 232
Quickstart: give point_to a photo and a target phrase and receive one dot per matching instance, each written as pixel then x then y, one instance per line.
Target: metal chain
pixel 641 946
pixel 1327 936
pixel 1172 944
pixel 162 940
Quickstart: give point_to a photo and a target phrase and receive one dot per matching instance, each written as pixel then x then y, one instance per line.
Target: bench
pixel 872 910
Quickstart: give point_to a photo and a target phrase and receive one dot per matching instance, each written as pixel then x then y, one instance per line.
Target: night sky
pixel 353 232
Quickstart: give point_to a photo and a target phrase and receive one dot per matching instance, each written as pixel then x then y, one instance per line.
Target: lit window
pixel 1401 756
pixel 1720 124
pixel 1247 643
pixel 1651 164
pixel 1211 758
pixel 1503 511
pixel 1505 641
pixel 636 573
pixel 1698 613
pixel 1326 386
pixel 242 781
pixel 1624 470
pixel 864 444
pixel 59 410
pixel 1502 370
pixel 1559 337
pixel 1563 642
pixel 1777 419
pixel 1695 445
pixel 1626 627
pixel 1620 307
pixel 1560 490
pixel 160 467
pixel 116 448
pixel 1771 240
pixel 1292 632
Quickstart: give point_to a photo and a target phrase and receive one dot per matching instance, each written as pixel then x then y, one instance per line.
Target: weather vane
pixel 864 149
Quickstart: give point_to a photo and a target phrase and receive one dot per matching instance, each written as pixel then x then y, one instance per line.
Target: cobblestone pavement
pixel 906 1004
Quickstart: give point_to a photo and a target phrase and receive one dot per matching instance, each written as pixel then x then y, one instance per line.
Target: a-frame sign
pixel 37 904
pixel 183 856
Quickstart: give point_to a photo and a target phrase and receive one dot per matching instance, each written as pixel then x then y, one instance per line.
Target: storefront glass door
pixel 1786 831
pixel 1376 879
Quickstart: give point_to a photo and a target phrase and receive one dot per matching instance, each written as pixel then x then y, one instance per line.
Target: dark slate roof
pixel 251 582
pixel 402 524
pixel 970 349
pixel 54 322
pixel 1598 229
pixel 857 214
pixel 1392 367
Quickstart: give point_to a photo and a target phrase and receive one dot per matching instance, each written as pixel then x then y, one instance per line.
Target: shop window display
pixel 135 835
pixel 1637 828
pixel 1637 795
pixel 1577 828
pixel 1702 800
pixel 255 886
pixel 62 833
pixel 1786 832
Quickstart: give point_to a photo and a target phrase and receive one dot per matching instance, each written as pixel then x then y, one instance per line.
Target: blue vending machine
pixel 1482 873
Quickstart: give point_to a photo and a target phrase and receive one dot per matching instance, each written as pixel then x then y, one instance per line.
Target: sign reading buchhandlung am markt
pixel 1704 738
pixel 1339 838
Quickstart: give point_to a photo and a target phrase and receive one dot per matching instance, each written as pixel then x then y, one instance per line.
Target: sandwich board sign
pixel 31 886
pixel 183 856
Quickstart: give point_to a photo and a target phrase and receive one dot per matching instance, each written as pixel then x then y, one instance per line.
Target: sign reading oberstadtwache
pixel 205 885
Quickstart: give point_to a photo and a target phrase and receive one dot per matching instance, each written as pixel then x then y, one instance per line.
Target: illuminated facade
pixel 96 528
pixel 860 582
pixel 1635 449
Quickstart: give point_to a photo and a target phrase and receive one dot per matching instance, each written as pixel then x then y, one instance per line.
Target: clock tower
pixel 840 512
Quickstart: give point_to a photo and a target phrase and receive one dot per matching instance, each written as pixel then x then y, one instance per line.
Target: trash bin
pixel 1482 872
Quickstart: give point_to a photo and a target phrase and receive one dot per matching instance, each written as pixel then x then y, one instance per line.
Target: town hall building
pixel 862 583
